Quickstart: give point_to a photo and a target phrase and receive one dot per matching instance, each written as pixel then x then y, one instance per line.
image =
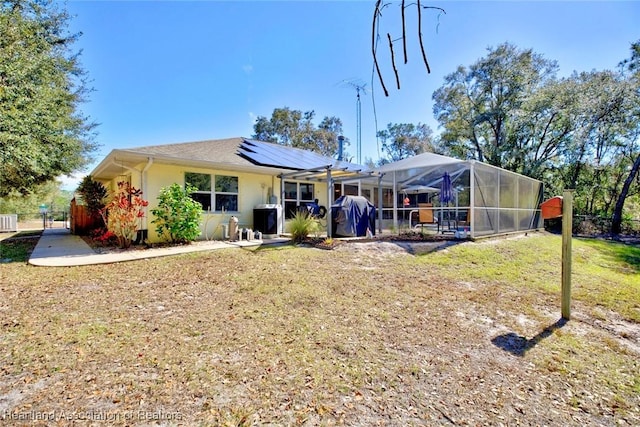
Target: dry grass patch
pixel 362 335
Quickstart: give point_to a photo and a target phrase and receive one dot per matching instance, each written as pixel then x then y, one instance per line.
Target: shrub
pixel 123 213
pixel 301 225
pixel 178 216
pixel 93 194
pixel 104 237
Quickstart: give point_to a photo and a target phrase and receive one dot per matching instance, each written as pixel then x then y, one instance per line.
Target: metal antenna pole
pixel 358 86
pixel 359 125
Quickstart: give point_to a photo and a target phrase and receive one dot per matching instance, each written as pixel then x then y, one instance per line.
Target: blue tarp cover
pixel 352 216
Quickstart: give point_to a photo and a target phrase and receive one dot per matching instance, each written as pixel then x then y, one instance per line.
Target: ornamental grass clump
pixel 301 225
pixel 122 214
pixel 178 216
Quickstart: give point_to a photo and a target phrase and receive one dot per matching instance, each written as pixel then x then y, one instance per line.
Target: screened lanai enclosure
pixel 439 194
pixel 427 192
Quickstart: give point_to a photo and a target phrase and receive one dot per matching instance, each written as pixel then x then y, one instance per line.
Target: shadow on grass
pixel 623 250
pixel 519 345
pixel 423 247
pixel 19 246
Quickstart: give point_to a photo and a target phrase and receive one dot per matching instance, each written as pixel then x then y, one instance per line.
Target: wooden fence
pixel 81 221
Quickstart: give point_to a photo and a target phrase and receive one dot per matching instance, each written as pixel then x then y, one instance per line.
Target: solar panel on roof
pixel 267 154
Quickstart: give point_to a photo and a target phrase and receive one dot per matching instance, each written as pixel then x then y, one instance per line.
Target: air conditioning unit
pixel 8 222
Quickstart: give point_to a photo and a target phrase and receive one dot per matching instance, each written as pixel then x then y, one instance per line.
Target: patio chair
pixel 463 218
pixel 425 216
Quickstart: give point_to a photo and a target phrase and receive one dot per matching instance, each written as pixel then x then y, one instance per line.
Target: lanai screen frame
pixel 499 201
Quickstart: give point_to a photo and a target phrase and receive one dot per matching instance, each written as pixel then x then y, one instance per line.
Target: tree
pixel 27 207
pixel 42 132
pixel 325 137
pixel 402 140
pixel 633 66
pixel 593 157
pixel 581 132
pixel 296 129
pixel 480 107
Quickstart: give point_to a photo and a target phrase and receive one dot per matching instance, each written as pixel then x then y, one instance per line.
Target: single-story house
pixel 235 177
pixel 263 184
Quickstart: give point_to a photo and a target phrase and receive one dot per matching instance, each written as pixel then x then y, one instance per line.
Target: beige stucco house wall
pixel 153 168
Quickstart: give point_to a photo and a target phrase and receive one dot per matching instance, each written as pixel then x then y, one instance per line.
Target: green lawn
pixel 606 274
pixel 365 334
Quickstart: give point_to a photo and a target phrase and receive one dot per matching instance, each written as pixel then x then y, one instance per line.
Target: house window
pixel 226 194
pixel 296 194
pixel 223 195
pixel 350 190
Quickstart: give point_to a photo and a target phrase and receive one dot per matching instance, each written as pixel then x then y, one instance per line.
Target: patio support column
pixel 395 203
pixel 284 214
pixel 380 204
pixel 329 202
pixel 472 199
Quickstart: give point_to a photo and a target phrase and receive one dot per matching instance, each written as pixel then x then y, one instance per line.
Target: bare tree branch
pixel 424 55
pixel 375 37
pixel 404 34
pixel 373 46
pixel 393 61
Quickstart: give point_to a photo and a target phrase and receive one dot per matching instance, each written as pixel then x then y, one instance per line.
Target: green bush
pixel 94 195
pixel 178 216
pixel 301 225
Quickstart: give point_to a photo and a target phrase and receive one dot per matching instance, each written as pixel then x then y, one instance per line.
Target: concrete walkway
pixel 57 247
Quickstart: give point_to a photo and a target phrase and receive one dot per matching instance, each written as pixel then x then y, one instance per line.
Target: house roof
pixel 214 151
pixel 226 154
pixel 204 154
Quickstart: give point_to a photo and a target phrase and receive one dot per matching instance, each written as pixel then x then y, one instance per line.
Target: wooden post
pixel 567 227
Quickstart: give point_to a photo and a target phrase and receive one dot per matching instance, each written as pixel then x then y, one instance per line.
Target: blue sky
pixel 174 71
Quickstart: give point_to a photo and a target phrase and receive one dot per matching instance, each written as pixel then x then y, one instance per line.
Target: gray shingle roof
pixel 216 151
pixel 230 153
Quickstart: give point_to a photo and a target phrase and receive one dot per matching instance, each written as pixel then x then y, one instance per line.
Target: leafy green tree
pixel 325 137
pixel 508 109
pixel 296 129
pixel 539 130
pixel 27 206
pixel 600 121
pixel 633 67
pixel 479 107
pixel 42 133
pixel 402 140
pixel 178 216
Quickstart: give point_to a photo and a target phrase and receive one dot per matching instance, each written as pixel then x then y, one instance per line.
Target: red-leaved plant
pixel 104 237
pixel 123 213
